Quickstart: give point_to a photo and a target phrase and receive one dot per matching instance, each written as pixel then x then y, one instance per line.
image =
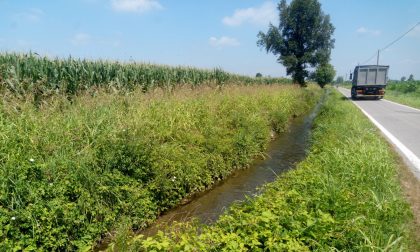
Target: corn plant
pixel 70 76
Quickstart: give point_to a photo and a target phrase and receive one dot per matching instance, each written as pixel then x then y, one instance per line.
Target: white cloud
pixel 261 15
pixel 365 31
pixel 362 30
pixel 223 41
pixel 31 15
pixel 136 5
pixel 81 39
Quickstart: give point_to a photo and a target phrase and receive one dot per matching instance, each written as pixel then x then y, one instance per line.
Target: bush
pixel 406 87
pixel 71 171
pixel 345 196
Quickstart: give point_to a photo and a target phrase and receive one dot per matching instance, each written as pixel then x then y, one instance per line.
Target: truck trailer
pixel 369 81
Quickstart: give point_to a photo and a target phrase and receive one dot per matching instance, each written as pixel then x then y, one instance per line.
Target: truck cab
pixel 369 81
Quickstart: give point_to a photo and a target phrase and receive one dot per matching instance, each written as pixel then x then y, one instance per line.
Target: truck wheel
pixel 353 93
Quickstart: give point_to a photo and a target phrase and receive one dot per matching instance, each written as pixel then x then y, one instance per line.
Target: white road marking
pixel 402 105
pixel 415 161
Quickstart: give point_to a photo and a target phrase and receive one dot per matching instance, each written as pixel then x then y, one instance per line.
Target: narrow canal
pixel 283 154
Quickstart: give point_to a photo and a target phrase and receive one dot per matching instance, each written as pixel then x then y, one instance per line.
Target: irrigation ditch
pixel 284 152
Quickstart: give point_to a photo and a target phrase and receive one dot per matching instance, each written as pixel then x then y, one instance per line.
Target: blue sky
pixel 205 33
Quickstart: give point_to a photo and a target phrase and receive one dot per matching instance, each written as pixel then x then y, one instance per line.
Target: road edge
pixel 411 159
pixel 402 105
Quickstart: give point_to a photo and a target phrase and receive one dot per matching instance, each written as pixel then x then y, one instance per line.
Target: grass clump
pixel 407 93
pixel 72 171
pixel 344 196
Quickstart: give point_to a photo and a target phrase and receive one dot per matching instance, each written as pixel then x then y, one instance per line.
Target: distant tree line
pixel 410 78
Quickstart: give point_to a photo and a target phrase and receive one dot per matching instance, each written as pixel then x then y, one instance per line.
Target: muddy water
pixel 283 153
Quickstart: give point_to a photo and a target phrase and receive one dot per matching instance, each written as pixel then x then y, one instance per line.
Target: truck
pixel 369 81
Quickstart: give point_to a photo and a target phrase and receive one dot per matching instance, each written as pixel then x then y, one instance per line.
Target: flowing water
pixel 283 153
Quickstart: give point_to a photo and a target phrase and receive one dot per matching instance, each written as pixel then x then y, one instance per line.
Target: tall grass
pixel 29 73
pixel 344 197
pixel 407 92
pixel 71 171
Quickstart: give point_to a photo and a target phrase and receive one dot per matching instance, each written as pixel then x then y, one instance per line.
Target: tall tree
pixel 324 74
pixel 411 78
pixel 303 38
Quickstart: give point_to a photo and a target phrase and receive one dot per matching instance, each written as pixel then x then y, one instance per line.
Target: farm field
pixel 74 167
pixel 345 196
pixel 42 76
pixel 152 125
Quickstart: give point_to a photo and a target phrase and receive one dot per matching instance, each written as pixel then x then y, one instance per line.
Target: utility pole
pixel 377 67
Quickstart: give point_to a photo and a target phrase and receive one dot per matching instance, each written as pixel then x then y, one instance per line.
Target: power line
pixel 402 36
pixel 390 44
pixel 373 56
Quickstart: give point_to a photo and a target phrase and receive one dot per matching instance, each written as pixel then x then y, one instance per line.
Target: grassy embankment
pixel 407 93
pixel 344 196
pixel 72 169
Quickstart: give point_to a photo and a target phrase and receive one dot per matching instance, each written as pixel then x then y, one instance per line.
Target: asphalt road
pixel 399 123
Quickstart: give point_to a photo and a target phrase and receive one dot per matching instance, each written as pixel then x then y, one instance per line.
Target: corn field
pixel 28 73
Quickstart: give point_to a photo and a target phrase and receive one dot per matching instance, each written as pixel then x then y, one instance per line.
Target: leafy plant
pixel 407 92
pixel 302 39
pixel 324 74
pixel 74 170
pixel 30 74
pixel 345 196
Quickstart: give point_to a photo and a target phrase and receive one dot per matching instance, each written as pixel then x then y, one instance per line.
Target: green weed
pixel 73 170
pixel 344 197
pixel 407 93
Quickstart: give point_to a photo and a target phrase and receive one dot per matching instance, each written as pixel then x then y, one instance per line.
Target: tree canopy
pixel 303 38
pixel 324 74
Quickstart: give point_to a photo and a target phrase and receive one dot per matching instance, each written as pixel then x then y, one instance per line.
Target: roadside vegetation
pixel 346 84
pixel 404 92
pixel 72 170
pixel 344 197
pixel 324 75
